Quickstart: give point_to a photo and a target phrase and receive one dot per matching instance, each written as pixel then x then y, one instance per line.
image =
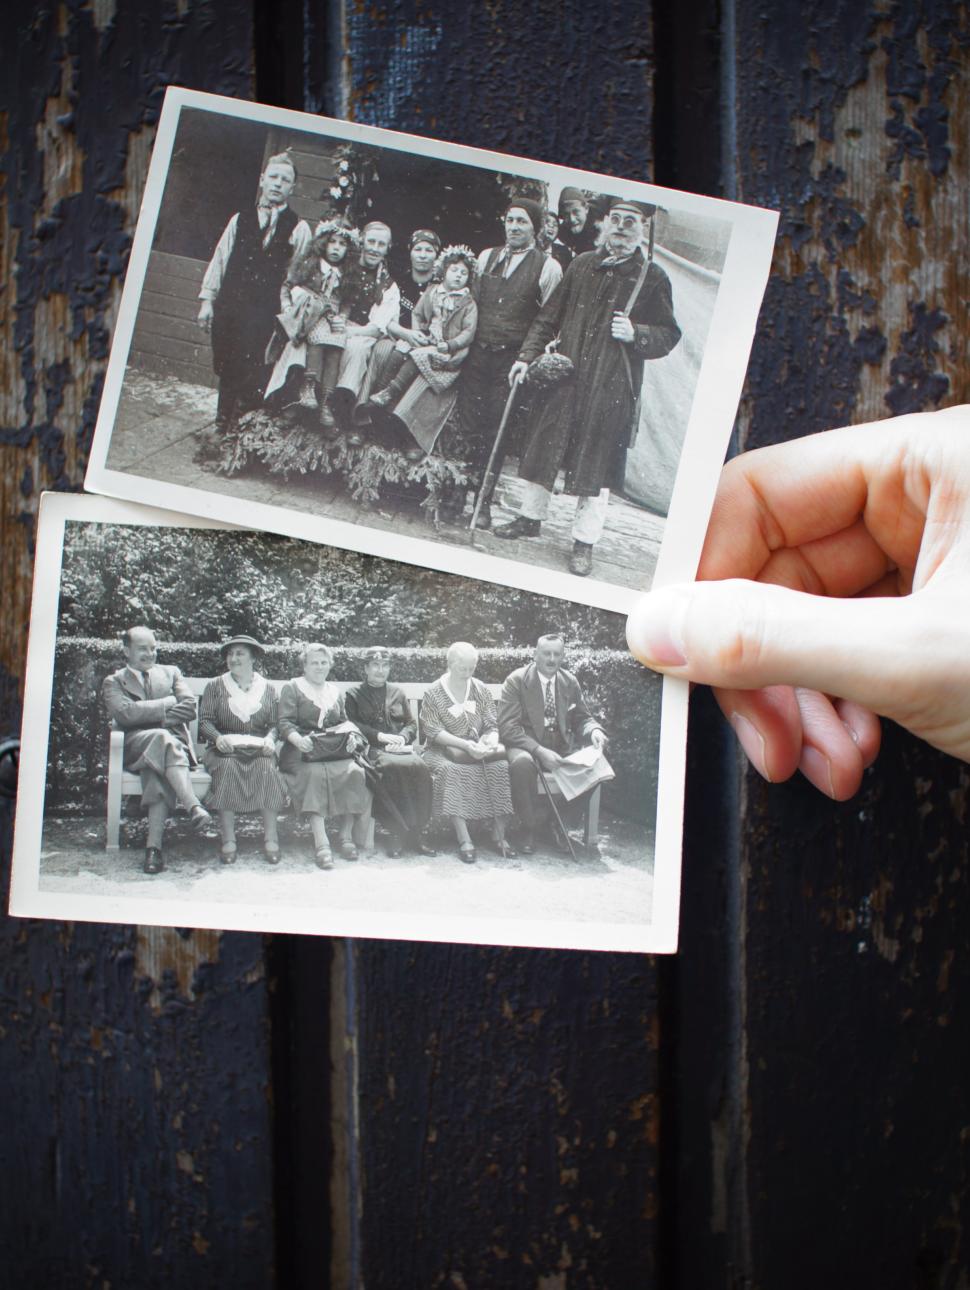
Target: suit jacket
pixel 521 722
pixel 130 709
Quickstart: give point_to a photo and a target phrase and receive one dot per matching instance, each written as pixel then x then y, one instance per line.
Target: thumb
pixel 746 635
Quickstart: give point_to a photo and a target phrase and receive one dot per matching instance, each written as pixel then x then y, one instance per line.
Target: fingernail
pixel 654 629
pixel 753 742
pixel 853 734
pixel 817 769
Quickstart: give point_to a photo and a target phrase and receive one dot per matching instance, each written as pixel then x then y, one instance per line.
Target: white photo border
pixel 713 408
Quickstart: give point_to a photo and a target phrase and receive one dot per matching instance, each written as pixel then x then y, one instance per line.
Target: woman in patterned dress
pixel 309 704
pixel 458 722
pixel 237 721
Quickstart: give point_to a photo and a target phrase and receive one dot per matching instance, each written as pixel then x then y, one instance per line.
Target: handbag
pixel 330 745
pixel 462 758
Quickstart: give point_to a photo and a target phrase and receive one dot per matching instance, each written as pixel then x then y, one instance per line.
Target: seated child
pixel 445 318
pixel 310 317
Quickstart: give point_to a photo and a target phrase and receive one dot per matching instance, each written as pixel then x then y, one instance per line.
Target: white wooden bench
pixel 125 783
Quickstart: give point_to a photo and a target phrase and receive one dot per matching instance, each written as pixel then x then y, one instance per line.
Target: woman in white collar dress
pixel 466 760
pixel 311 707
pixel 237 721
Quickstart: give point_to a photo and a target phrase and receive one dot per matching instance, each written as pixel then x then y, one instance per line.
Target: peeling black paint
pixel 917 381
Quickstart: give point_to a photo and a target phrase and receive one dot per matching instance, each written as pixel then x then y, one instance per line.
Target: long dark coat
pixel 587 422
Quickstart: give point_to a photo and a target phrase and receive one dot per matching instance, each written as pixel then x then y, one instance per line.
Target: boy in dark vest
pixel 241 289
pixel 514 281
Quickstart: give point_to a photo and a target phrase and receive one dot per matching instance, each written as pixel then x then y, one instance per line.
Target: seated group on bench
pixel 340 754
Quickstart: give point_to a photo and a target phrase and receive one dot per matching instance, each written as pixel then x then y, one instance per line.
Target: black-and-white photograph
pixel 414 349
pixel 250 730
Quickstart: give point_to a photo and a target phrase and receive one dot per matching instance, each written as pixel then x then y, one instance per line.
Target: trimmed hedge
pixel 624 695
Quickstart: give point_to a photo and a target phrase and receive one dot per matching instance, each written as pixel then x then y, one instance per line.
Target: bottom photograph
pixel 246 730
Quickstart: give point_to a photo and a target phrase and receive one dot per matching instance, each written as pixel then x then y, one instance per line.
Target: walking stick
pixel 555 810
pixel 483 490
pixel 373 777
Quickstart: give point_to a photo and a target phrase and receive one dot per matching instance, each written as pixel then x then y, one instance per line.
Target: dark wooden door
pixel 782 1105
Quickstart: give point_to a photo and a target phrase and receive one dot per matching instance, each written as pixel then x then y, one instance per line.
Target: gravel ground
pixel 612 883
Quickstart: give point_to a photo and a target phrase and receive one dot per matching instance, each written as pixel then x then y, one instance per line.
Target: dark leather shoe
pixel 425 848
pixel 467 854
pixel 348 850
pixel 518 528
pixel 394 848
pixel 200 819
pixel 581 559
pixel 527 844
pixel 154 862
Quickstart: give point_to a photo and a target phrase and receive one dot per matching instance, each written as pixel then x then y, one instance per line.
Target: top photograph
pixel 477 363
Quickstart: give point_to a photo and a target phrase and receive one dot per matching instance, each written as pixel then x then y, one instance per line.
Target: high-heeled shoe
pixel 323 858
pixel 271 851
pixel 347 849
pixel 466 853
pixel 506 850
pixel 227 853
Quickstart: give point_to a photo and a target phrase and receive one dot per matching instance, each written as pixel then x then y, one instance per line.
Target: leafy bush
pixel 618 690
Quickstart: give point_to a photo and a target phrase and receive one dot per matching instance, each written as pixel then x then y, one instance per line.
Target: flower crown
pixel 451 255
pixel 326 229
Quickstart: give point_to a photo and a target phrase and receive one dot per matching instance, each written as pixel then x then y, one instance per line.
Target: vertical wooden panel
pixel 854 918
pixel 137 1143
pixel 508 1108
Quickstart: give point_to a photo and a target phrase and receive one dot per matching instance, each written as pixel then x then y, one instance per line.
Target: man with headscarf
pixel 240 292
pixel 515 280
pixel 612 312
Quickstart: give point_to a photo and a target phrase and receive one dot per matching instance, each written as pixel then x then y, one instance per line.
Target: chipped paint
pixel 170 960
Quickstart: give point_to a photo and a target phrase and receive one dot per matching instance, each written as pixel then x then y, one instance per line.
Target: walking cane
pixel 482 492
pixel 555 810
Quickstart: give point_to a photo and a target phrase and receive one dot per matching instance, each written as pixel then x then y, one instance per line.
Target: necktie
pixel 549 709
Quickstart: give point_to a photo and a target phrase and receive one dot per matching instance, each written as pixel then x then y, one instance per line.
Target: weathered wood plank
pixel 854 918
pixel 138 1060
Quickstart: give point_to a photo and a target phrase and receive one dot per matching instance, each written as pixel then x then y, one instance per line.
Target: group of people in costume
pixel 316 318
pixel 341 755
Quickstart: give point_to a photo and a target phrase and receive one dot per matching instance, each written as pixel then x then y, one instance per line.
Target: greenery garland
pixel 287 448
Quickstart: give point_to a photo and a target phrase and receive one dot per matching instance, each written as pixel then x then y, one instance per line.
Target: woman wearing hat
pixel 237 721
pixel 318 757
pixel 381 712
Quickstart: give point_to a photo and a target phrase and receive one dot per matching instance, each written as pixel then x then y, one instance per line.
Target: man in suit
pixel 152 704
pixel 542 719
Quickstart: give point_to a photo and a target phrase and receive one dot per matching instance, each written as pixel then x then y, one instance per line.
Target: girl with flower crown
pixel 310 317
pixel 423 391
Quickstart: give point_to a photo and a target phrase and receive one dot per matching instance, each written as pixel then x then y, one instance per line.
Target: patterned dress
pixel 239 783
pixel 476 792
pixel 325 788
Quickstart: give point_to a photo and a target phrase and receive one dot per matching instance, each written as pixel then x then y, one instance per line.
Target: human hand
pixel 223 745
pixel 392 741
pixel 622 329
pixel 517 371
pixel 834 584
pixel 269 746
pixel 598 739
pixel 338 324
pixel 303 742
pixel 205 315
pixel 547 758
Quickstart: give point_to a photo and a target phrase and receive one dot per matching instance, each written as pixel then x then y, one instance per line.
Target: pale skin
pixel 834 588
pixel 276 185
pixel 624 233
pixel 548 660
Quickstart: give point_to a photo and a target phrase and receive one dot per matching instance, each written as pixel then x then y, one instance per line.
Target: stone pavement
pixel 156 435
